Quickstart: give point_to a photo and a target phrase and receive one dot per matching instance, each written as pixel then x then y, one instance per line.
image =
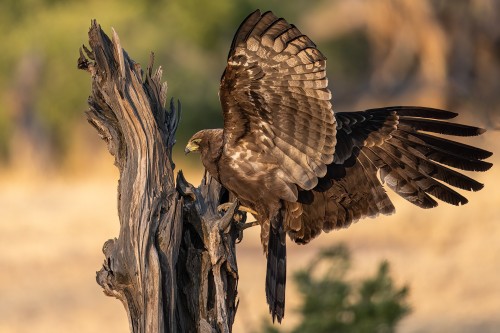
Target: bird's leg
pixel 239 217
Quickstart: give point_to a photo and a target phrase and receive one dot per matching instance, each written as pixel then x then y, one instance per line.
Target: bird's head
pixel 207 142
pixel 196 143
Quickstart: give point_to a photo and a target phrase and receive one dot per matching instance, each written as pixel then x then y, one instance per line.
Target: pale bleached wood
pixel 173 265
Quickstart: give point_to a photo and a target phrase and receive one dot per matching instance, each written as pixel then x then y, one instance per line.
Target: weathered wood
pixel 173 265
pixel 214 252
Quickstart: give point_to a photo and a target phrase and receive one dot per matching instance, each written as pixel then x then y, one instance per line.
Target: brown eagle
pixel 303 169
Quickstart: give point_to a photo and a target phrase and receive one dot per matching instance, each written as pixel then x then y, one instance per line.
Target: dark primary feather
pixel 407 157
pixel 243 30
pixel 398 142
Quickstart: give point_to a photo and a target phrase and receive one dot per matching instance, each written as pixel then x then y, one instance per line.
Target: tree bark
pixel 173 265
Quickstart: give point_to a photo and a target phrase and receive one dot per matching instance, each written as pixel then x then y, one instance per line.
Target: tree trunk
pixel 173 265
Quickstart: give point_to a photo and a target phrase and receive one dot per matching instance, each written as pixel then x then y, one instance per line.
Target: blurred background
pixel 58 183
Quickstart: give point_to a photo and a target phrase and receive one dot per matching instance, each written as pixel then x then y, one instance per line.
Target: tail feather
pixel 276 272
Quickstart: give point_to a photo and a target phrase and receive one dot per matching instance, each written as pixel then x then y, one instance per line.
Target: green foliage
pixel 333 303
pixel 351 64
pixel 190 39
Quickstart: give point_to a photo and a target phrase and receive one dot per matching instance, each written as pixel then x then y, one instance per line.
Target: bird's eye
pixel 197 141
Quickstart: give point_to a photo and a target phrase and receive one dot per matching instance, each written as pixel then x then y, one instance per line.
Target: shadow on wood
pixel 173 265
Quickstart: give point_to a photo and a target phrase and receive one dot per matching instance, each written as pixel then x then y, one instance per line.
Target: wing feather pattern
pixel 306 170
pixel 395 146
pixel 274 92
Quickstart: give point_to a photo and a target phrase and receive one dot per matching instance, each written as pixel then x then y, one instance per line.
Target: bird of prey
pixel 303 169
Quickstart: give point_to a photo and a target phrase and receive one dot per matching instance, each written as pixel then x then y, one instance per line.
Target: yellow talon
pixel 227 205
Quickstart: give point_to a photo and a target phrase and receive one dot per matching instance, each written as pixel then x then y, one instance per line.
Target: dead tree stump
pixel 173 265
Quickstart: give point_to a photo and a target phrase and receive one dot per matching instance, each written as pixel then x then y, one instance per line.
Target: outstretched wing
pixel 396 144
pixel 276 103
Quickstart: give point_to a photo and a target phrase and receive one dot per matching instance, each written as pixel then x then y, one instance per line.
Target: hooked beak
pixel 191 147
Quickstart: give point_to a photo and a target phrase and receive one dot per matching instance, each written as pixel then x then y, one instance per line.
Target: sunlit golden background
pixel 58 184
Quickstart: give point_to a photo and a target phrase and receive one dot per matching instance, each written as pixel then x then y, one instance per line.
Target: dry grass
pixel 51 233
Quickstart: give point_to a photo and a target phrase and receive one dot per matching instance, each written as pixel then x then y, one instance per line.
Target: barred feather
pixel 275 86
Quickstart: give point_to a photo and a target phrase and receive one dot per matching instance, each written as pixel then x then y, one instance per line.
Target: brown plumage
pixel 302 168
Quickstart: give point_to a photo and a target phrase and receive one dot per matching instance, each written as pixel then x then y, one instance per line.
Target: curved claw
pixel 239 217
pixel 242 226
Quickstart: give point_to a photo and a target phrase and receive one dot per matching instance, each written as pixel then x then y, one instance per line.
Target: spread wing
pixel 276 103
pixel 393 146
